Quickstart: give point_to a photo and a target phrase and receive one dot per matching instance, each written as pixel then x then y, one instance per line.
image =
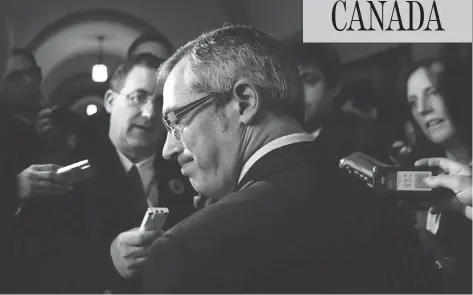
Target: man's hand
pixel 43 122
pixel 42 180
pixel 129 250
pixel 457 179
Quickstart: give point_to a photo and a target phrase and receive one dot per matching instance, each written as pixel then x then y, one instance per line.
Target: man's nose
pixel 172 148
pixel 148 110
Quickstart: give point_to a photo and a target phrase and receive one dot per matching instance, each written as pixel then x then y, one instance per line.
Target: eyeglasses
pixel 171 119
pixel 138 98
pixel 17 75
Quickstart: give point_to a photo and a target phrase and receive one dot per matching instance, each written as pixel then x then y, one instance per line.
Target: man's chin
pixel 138 147
pixel 195 185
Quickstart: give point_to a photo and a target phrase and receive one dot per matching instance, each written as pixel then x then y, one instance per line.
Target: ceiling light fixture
pixel 99 70
pixel 91 109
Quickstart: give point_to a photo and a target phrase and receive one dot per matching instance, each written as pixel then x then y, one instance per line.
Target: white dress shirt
pixel 272 145
pixel 146 171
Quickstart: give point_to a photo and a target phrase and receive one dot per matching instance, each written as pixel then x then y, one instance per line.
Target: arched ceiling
pixel 63 33
pixel 81 39
pixel 74 42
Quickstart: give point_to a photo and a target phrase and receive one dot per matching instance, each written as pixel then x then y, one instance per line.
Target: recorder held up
pixel 402 182
pixel 154 218
pixel 78 171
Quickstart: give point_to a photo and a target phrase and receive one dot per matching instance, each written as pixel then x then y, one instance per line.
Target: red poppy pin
pixel 176 186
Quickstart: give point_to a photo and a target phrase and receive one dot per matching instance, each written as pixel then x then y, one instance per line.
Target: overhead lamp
pixel 99 70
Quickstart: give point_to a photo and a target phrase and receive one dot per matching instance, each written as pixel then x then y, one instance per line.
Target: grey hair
pixel 219 58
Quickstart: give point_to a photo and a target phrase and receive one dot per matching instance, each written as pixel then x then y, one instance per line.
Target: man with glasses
pixel 132 175
pixel 283 220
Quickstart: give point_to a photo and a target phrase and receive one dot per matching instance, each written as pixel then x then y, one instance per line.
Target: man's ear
pixel 108 100
pixel 248 99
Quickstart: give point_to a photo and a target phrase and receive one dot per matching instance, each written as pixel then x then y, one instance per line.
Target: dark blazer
pixel 112 208
pixel 8 197
pixel 293 225
pixel 76 230
pixel 341 141
pixel 454 237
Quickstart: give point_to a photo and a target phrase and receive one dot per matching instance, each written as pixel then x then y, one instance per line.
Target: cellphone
pixel 77 172
pixel 154 218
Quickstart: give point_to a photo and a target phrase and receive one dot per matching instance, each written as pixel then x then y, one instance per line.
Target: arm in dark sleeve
pixel 9 201
pixel 8 185
pixel 171 268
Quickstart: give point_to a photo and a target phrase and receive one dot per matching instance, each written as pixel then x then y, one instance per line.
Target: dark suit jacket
pixel 73 233
pixel 454 236
pixel 8 197
pixel 293 225
pixel 341 141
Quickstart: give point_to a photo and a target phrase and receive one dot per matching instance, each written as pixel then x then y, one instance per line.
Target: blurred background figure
pixel 346 117
pixel 365 121
pixel 21 98
pixel 150 46
pixel 320 69
pixel 42 135
pixel 20 85
pixel 8 186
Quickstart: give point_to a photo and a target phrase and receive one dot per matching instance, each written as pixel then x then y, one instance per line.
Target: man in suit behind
pixel 135 139
pixel 283 220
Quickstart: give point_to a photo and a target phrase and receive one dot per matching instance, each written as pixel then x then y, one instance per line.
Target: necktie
pixel 138 196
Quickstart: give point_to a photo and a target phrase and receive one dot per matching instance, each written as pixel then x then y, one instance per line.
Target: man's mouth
pixel 145 128
pixel 183 163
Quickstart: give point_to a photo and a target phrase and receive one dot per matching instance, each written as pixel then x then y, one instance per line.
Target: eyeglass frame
pixel 127 96
pixel 171 118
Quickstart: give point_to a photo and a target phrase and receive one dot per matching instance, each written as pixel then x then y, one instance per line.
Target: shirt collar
pixel 272 145
pixel 145 168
